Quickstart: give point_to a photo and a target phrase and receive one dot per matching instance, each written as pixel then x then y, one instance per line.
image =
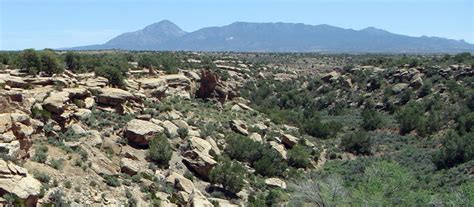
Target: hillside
pixel 235 129
pixel 278 37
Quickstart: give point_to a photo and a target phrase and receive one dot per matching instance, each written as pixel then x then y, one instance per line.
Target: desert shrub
pixel 466 123
pixel 160 150
pixel 183 132
pixel 111 180
pixel 115 76
pixel 371 119
pixel 230 174
pixel 455 150
pixel 242 148
pixel 425 89
pixel 270 163
pixel 57 199
pixel 384 184
pixel 68 184
pixel 40 114
pixel 299 156
pixel 315 127
pixel 328 191
pixel 57 163
pixel 42 177
pixel 41 154
pixel 411 117
pixel 358 142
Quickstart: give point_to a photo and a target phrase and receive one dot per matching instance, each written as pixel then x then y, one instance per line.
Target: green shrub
pixel 371 119
pixel 111 180
pixel 299 156
pixel 455 150
pixel 358 142
pixel 183 132
pixel 40 114
pixel 41 154
pixel 50 63
pixel 270 163
pixel 67 184
pixel 73 61
pixel 42 177
pixel 230 174
pixel 30 61
pixel 160 150
pixel 57 163
pixel 411 117
pixel 115 76
pixel 242 148
pixel 315 127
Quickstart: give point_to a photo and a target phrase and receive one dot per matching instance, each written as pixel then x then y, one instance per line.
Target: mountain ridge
pixel 277 37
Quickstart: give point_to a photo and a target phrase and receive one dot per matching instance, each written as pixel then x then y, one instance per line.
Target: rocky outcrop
pixel 139 132
pixel 199 162
pixel 114 96
pixel 212 87
pixel 275 182
pixel 289 140
pixel 56 101
pixel 239 127
pixel 180 182
pixel 16 180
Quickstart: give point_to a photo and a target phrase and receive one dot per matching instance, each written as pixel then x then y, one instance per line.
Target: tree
pixel 30 61
pixel 270 163
pixel 114 75
pixel 160 150
pixel 410 117
pixel 73 61
pixel 358 142
pixel 299 156
pixel 50 63
pixel 455 150
pixel 230 174
pixel 371 119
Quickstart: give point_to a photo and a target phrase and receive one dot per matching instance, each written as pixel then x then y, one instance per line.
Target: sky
pixel 66 23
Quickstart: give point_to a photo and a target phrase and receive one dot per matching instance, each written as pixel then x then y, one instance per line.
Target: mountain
pixel 278 37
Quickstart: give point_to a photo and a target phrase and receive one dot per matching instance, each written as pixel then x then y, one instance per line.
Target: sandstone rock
pixel 55 102
pixel 89 102
pixel 399 87
pixel 199 162
pixel 114 96
pixel 279 148
pixel 77 93
pixel 256 137
pixel 171 130
pixel 200 144
pixel 82 113
pixel 289 140
pixel 275 182
pixel 129 166
pixel 196 199
pixel 215 149
pixel 77 129
pixel 10 150
pixel 16 180
pixel 239 127
pixel 180 182
pixel 331 76
pixel 151 83
pixel 5 122
pixel 139 132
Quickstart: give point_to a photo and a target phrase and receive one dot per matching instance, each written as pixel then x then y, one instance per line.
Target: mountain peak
pixel 374 30
pixel 164 26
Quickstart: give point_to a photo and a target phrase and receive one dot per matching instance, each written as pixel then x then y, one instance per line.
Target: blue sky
pixel 65 23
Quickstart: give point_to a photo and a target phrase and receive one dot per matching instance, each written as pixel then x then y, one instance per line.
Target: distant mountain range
pixel 277 37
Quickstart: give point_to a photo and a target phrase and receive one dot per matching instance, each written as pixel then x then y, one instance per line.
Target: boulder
pixel 10 150
pixel 200 144
pixel 180 182
pixel 129 166
pixel 114 96
pixel 5 122
pixel 256 137
pixel 199 162
pixel 239 127
pixel 196 199
pixel 289 140
pixel 279 148
pixel 16 180
pixel 171 130
pixel 399 87
pixel 56 101
pixel 139 132
pixel 275 182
